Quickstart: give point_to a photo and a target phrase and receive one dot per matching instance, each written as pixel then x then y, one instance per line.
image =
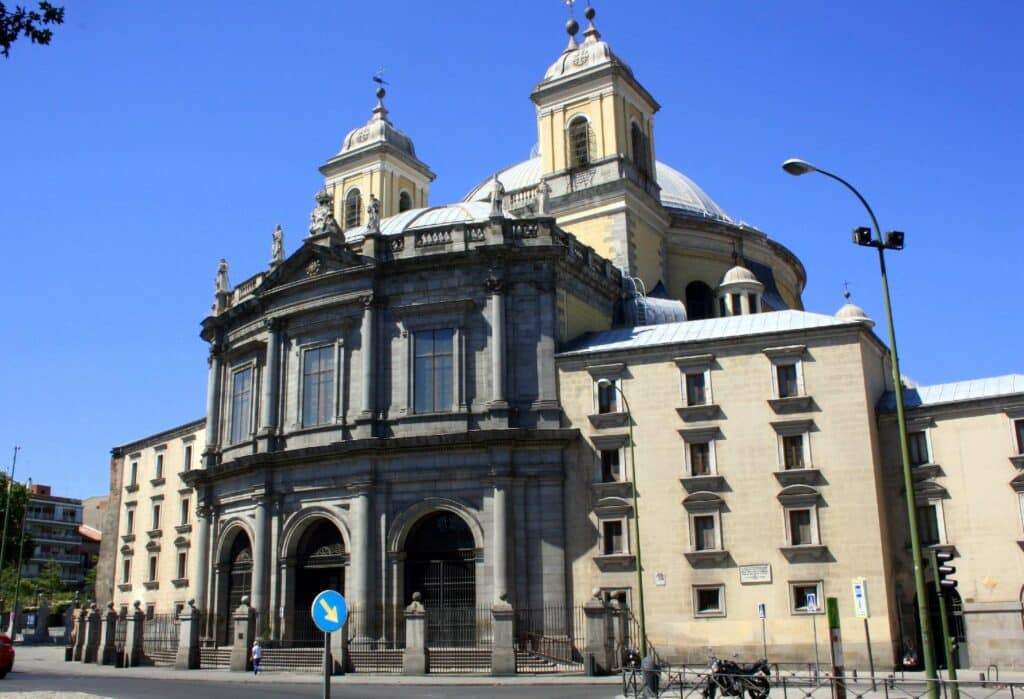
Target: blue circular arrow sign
pixel 329 611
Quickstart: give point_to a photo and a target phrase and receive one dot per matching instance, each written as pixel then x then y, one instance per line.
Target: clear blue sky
pixel 151 139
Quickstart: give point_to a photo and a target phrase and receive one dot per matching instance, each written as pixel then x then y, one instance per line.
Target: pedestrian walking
pixel 257 656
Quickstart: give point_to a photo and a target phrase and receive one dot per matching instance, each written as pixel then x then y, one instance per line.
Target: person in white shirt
pixel 257 656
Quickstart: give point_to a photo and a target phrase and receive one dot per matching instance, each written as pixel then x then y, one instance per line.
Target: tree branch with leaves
pixel 33 24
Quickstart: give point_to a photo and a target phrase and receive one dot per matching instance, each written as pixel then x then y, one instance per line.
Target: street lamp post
pixel 17 584
pixel 605 383
pixel 893 240
pixel 7 507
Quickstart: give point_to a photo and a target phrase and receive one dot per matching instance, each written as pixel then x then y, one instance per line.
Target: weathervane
pixel 846 290
pixel 569 4
pixel 378 77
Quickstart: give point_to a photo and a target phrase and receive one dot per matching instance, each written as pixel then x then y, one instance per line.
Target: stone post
pixel 259 558
pixel 41 634
pixel 244 631
pixel 107 634
pixel 136 624
pixel 597 649
pixel 92 635
pixel 80 618
pixel 503 650
pixel 415 660
pixel 69 632
pixel 191 621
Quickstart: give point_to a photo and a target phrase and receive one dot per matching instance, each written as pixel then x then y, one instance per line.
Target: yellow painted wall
pixel 683 269
pixel 646 243
pixel 595 233
pixel 577 316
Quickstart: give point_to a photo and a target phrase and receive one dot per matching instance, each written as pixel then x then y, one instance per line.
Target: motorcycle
pixel 732 679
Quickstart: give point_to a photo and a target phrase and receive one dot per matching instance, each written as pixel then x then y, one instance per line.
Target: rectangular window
pixel 159 466
pixel 188 458
pixel 612 535
pixel 696 390
pixel 317 386
pixel 793 451
pixel 789 386
pixel 126 570
pixel 182 565
pixel 241 405
pixel 806 598
pixel 184 511
pixel 608 397
pixel 709 601
pixel 704 533
pixel 134 479
pixel 752 299
pixel 928 524
pixel 737 307
pixel 156 516
pixel 1019 429
pixel 801 532
pixel 917 444
pixel 150 611
pixel 152 568
pixel 432 370
pixel 700 459
pixel 611 468
pixel 179 607
pixel 129 521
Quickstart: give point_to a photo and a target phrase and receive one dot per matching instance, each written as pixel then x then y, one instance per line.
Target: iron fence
pixel 120 637
pixel 459 639
pixel 549 639
pixel 160 638
pixel 376 638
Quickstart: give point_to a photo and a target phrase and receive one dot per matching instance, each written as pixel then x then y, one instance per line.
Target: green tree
pixel 32 23
pixel 89 586
pixel 19 501
pixel 49 583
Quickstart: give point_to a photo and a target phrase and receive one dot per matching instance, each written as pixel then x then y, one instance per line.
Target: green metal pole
pixel 908 478
pixel 636 529
pixel 947 643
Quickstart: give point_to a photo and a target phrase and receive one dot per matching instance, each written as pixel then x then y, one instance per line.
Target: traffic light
pixel 894 240
pixel 862 236
pixel 943 570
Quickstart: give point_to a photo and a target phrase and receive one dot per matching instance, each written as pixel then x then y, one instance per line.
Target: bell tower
pixel 595 127
pixel 376 159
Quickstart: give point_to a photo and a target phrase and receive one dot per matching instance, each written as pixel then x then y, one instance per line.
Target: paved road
pixel 148 688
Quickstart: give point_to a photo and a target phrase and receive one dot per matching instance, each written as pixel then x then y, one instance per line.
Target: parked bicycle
pixel 731 679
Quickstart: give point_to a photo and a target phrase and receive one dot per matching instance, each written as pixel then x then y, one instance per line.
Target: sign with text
pixel 756 573
pixel 762 610
pixel 860 598
pixel 812 602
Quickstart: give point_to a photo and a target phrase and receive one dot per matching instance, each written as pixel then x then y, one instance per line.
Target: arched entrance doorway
pixel 320 565
pixel 440 562
pixel 236 579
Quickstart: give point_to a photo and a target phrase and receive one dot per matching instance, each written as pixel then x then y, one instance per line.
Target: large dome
pixel 677 190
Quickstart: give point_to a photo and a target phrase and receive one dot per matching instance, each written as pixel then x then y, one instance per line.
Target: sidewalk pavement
pixel 49 660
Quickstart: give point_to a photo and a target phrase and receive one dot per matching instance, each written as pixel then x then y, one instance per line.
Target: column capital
pixel 494 284
pixel 273 323
pixel 368 301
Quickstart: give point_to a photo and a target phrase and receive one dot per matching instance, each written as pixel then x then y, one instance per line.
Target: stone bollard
pixel 503 649
pixel 191 621
pixel 415 660
pixel 107 654
pixel 69 632
pixel 597 646
pixel 244 629
pixel 92 635
pixel 133 635
pixel 80 618
pixel 41 633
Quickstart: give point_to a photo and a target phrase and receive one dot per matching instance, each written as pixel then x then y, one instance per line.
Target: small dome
pixel 740 275
pixel 590 54
pixel 378 129
pixel 853 312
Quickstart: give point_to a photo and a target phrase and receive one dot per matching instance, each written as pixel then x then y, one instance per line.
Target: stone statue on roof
pixel 277 247
pixel 497 195
pixel 373 215
pixel 321 220
pixel 220 283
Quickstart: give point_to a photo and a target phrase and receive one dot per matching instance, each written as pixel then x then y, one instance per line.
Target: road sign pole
pixel 764 639
pixel 835 638
pixel 327 665
pixel 871 656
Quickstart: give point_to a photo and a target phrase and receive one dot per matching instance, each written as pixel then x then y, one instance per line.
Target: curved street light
pixel 605 383
pixel 893 240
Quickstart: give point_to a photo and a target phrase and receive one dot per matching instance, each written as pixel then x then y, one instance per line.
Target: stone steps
pixel 163 656
pixel 215 657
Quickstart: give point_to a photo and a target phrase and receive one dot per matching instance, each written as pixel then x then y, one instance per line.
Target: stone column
pixel 92 635
pixel 259 559
pixel 244 631
pixel 368 337
pixel 41 633
pixel 201 558
pixel 415 660
pixel 598 653
pixel 496 289
pixel 136 620
pixel 107 634
pixel 69 632
pixel 362 545
pixel 213 400
pixel 271 372
pixel 503 651
pixel 80 619
pixel 500 557
pixel 188 638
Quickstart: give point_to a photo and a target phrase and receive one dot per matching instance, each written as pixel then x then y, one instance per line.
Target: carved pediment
pixel 309 262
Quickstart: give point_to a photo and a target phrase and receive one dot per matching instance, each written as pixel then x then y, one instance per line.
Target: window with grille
pixel 793 451
pixel 182 565
pixel 184 511
pixel 709 600
pixel 433 370
pixel 704 538
pixel 700 459
pixel 788 382
pixel 159 466
pixel 156 516
pixel 188 458
pixel 317 386
pixel 806 597
pixel 152 567
pixel 579 142
pixel 126 571
pixel 696 389
pixel 928 524
pixel 353 209
pixel 801 528
pixel 612 536
pixel 917 445
pixel 129 521
pixel 134 473
pixel 241 405
pixel 611 467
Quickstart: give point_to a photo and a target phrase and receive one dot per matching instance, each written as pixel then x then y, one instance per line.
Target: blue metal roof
pixel 956 392
pixel 622 339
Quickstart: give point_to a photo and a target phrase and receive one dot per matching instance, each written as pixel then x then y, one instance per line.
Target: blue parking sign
pixel 329 611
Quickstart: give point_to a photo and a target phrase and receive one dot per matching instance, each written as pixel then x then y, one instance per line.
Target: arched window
pixel 404 201
pixel 640 155
pixel 353 209
pixel 700 301
pixel 579 142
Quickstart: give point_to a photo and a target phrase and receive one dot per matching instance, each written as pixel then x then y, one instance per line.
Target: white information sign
pixel 659 579
pixel 756 573
pixel 812 602
pixel 762 610
pixel 860 598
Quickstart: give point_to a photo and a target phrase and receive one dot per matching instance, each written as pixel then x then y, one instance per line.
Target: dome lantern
pixel 854 313
pixel 740 292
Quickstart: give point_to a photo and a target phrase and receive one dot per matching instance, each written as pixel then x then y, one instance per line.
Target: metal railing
pixel 548 639
pixel 160 638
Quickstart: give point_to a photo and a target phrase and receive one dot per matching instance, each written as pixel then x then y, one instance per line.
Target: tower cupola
pixel 739 292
